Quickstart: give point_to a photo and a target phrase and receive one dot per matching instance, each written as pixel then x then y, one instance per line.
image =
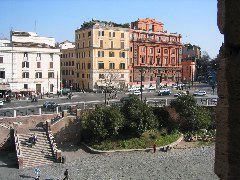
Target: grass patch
pixel 146 140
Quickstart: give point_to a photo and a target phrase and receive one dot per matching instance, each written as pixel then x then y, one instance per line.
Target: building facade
pixel 69 73
pixel 191 51
pixel 188 70
pixel 154 53
pixel 102 50
pixel 31 63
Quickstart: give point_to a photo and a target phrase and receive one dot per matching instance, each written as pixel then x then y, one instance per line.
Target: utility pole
pixel 141 81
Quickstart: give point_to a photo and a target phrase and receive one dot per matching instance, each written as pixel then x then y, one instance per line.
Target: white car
pixel 133 89
pixel 1 103
pixel 137 92
pixel 152 88
pixel 199 93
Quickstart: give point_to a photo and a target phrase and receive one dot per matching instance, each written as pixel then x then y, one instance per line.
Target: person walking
pixel 154 148
pixel 66 174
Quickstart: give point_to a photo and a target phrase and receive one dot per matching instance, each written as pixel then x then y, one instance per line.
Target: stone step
pixel 30 165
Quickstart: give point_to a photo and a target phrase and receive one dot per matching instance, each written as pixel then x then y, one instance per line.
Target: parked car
pixel 152 88
pixel 199 93
pixel 1 104
pixel 179 94
pixel 137 92
pixel 133 89
pixel 164 92
pixel 50 105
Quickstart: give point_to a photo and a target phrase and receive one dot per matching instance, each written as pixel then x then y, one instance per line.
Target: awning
pixel 5 87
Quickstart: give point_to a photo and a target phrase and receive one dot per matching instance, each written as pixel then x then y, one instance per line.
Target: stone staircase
pixel 39 154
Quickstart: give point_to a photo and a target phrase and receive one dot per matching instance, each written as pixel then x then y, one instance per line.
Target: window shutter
pixel 102 33
pixel 113 34
pixel 27 64
pixel 102 53
pixel 22 64
pixel 109 34
pixel 99 33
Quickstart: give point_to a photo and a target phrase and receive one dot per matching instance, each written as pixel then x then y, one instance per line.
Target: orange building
pixel 154 51
pixel 188 70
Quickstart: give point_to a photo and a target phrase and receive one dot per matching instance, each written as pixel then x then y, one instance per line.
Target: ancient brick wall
pixel 227 155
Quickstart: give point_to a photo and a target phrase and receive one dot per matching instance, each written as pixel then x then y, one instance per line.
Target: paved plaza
pixel 190 164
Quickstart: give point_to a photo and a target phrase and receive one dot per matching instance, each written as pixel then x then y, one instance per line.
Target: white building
pixel 30 63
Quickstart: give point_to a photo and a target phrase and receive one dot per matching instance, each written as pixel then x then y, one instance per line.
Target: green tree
pixel 102 123
pixel 192 117
pixel 138 116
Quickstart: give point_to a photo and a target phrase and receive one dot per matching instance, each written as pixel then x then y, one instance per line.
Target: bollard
pixel 57 110
pixel 84 105
pixel 207 101
pixel 40 111
pixel 166 102
pixel 14 113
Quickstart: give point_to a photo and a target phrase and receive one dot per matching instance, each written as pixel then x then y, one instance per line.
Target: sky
pixel 196 20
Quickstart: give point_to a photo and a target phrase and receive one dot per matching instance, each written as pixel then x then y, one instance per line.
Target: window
pixel 78 65
pixel 25 64
pixel 2 74
pixel 173 51
pixel 101 43
pixel 38 64
pixel 51 87
pixel 131 49
pixel 50 74
pixel 159 38
pixel 25 86
pixel 25 75
pixel 66 63
pixel 83 76
pixel 122 54
pixel 89 43
pixel 78 75
pixel 38 75
pixel 173 60
pixel 50 65
pixel 111 65
pixel 122 66
pixel 150 27
pixel 100 33
pixel 122 75
pixel 89 33
pixel 100 65
pixel 122 35
pixel 143 49
pixel 111 54
pixel 83 65
pixel 69 63
pixel 151 50
pixel 151 60
pixel 72 63
pixel 101 76
pixel 26 55
pixel 143 59
pixel 151 78
pixel 72 73
pixel 38 56
pixel 111 44
pixel 63 72
pixel 122 45
pixel 89 65
pixel 130 79
pixel 165 51
pixel 158 60
pixel 100 53
pixel 159 50
pixel 111 34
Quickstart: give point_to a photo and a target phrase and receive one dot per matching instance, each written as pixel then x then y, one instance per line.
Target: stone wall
pixel 227 155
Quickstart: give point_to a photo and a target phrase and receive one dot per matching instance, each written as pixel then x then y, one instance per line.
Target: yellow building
pixel 102 51
pixel 69 74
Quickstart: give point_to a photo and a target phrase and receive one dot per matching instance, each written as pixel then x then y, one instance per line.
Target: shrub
pixel 102 123
pixel 192 116
pixel 138 116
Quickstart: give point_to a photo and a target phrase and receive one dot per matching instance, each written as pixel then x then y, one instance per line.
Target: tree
pixel 192 117
pixel 138 116
pixel 102 123
pixel 202 65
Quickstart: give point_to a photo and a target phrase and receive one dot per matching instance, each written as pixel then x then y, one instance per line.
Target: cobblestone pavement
pixel 192 163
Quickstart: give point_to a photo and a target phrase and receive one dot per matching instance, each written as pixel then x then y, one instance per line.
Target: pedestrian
pixel 154 148
pixel 66 174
